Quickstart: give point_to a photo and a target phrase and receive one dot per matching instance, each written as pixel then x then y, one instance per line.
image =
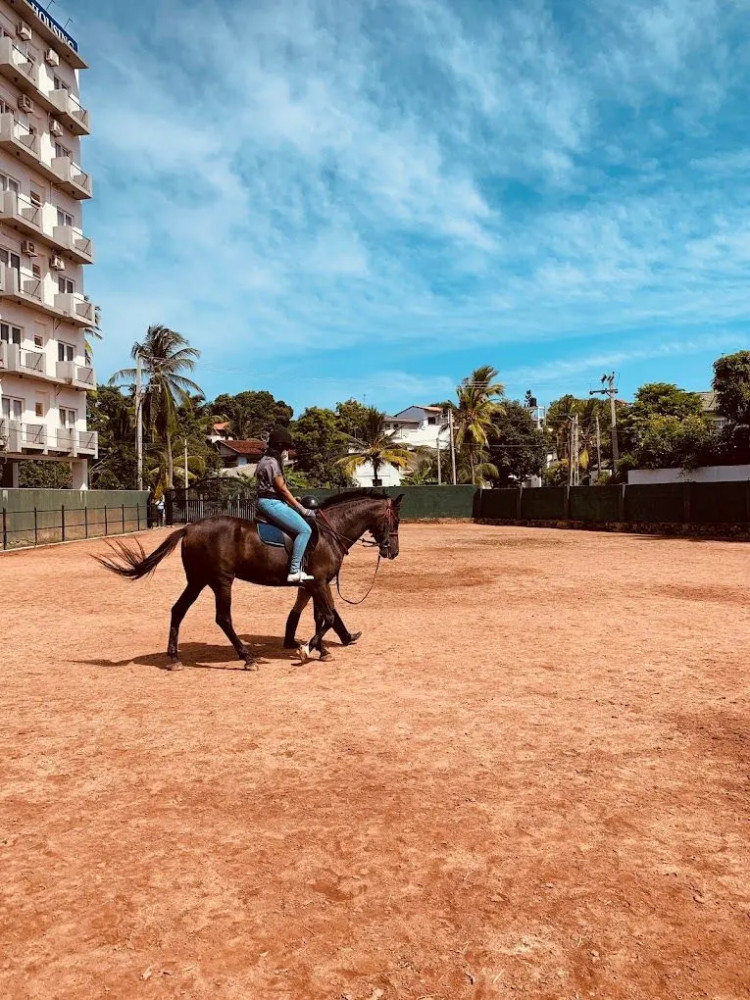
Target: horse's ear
pixel 399 498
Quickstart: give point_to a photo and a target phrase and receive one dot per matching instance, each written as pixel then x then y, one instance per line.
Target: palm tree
pixel 477 405
pixel 165 355
pixel 376 445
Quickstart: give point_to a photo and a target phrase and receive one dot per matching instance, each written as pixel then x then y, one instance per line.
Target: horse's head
pixel 386 535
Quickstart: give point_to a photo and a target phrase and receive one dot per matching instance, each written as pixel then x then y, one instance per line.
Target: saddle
pixel 271 534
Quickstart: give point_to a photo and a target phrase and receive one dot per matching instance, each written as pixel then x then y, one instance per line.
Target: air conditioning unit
pixel 57 263
pixel 29 248
pixel 25 103
pixel 55 128
pixel 23 31
pixel 51 58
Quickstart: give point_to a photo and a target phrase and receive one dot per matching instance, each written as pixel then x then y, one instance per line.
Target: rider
pixel 278 504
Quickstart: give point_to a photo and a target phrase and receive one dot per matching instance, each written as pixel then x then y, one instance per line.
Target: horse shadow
pixel 207 656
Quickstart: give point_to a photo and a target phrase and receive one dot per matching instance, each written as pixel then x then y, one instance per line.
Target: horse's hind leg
pixel 180 609
pixel 290 632
pixel 223 592
pixel 324 620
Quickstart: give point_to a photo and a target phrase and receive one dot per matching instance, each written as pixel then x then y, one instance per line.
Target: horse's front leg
pixel 324 619
pixel 290 632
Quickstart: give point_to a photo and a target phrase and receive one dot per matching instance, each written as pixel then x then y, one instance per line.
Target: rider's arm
pixel 282 489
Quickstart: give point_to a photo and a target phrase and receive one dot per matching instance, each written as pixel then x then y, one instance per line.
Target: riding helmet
pixel 280 439
pixel 310 503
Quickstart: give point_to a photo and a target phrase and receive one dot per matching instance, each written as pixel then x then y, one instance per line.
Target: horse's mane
pixel 361 494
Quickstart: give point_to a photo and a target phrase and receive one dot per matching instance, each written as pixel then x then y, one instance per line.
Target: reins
pixel 365 543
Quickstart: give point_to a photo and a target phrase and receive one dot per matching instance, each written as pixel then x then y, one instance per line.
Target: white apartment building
pixel 44 375
pixel 420 427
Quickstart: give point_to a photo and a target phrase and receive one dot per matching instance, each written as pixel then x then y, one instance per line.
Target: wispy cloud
pixel 315 190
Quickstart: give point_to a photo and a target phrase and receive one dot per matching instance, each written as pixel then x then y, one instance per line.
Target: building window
pixel 9 183
pixel 10 334
pixel 64 218
pixel 36 270
pixel 432 420
pixel 5 108
pixel 60 84
pixel 65 352
pixel 38 341
pixel 61 151
pixel 66 285
pixel 35 198
pixel 12 408
pixel 38 409
pixel 67 417
pixel 8 257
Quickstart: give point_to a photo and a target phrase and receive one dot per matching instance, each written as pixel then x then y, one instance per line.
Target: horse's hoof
pixel 303 650
pixel 353 637
pixel 325 657
pixel 176 665
pixel 251 665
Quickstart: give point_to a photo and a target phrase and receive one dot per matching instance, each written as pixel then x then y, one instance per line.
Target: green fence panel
pixel 719 503
pixel 498 505
pixel 661 503
pixel 38 517
pixel 594 504
pixel 424 502
pixel 547 503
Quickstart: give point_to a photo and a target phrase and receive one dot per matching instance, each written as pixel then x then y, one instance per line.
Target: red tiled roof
pixel 252 447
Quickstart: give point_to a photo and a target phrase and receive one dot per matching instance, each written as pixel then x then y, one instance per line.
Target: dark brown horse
pixel 218 550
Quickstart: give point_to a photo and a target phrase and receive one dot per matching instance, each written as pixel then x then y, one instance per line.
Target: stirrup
pixel 300 577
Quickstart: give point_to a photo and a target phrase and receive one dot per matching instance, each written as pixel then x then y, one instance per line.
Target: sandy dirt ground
pixel 529 779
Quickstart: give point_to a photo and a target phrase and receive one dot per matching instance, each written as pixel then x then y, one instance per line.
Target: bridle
pixel 383 544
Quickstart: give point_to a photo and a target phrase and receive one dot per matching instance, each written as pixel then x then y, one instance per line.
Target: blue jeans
pixel 293 523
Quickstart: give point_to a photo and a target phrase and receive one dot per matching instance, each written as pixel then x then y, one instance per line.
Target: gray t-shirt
pixel 269 467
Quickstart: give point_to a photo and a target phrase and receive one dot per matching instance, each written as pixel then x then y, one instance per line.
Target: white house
pixel 44 314
pixel 415 427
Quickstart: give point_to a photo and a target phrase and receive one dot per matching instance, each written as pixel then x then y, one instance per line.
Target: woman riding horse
pixel 279 506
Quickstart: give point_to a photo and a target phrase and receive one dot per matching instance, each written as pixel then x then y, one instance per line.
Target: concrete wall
pixel 29 517
pixel 706 474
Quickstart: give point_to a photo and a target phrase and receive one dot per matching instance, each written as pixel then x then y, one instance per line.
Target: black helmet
pixel 280 439
pixel 310 503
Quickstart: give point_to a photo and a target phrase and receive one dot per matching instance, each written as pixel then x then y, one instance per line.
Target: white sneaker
pixel 300 577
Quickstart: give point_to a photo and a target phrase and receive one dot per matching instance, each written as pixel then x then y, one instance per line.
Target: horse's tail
pixel 133 563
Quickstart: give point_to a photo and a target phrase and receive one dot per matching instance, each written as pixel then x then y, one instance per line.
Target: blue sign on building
pixel 52 24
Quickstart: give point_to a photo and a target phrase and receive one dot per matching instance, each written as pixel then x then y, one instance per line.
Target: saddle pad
pixel 272 535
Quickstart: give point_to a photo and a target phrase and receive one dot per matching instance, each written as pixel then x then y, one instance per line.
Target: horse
pixel 218 550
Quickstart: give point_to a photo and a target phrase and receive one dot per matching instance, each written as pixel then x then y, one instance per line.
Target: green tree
pixel 518 449
pixel 319 445
pixel 251 413
pixel 165 356
pixel 731 384
pixel 45 475
pixel 377 446
pixel 112 416
pixel 352 417
pixel 592 440
pixel 478 405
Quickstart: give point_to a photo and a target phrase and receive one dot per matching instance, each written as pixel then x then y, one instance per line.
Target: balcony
pixel 69 111
pixel 24 437
pixel 80 376
pixel 87 444
pixel 69 176
pixel 20 361
pixel 18 140
pixel 70 306
pixel 18 211
pixel 72 240
pixel 62 441
pixel 16 67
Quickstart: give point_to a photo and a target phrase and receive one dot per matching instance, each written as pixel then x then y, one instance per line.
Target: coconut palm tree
pixel 165 355
pixel 375 445
pixel 478 397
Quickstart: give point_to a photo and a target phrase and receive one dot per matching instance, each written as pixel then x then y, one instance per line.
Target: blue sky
pixel 359 197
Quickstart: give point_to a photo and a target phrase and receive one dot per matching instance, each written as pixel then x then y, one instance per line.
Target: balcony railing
pixel 19 211
pixel 76 308
pixel 70 112
pixel 32 437
pixel 21 361
pixel 62 440
pixel 3 356
pixel 71 178
pixel 88 443
pixel 19 140
pixel 16 66
pixel 80 376
pixel 69 238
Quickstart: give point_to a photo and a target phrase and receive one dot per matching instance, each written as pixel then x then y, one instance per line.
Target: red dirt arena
pixel 529 779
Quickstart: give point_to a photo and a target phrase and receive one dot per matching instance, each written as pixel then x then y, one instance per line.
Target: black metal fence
pixel 215 496
pixel 44 526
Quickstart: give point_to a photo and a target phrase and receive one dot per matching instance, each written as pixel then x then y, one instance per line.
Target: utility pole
pixel 574 470
pixel 138 421
pixel 453 444
pixel 598 447
pixel 186 464
pixel 610 389
pixel 440 471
